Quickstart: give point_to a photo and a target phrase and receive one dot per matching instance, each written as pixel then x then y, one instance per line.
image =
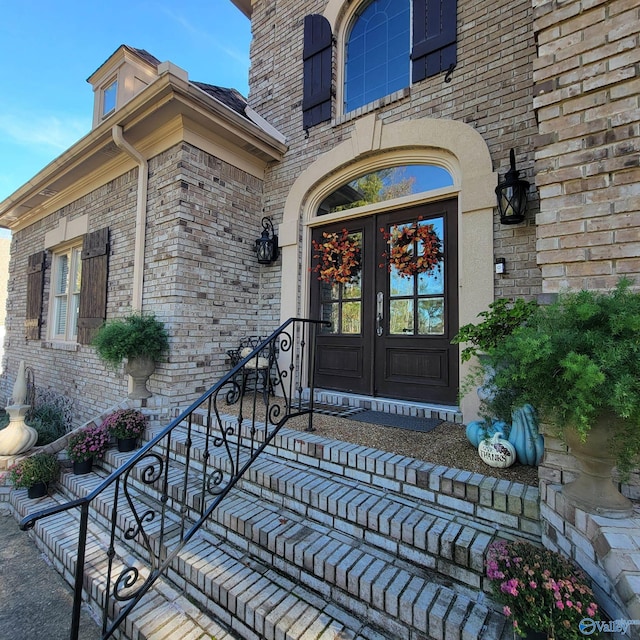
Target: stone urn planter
pixel 140 340
pixel 593 489
pixel 140 369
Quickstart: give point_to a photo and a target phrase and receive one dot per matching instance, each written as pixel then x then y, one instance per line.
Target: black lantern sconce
pixel 512 195
pixel 267 243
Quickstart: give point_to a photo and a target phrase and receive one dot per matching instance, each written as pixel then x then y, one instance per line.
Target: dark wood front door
pixel 391 331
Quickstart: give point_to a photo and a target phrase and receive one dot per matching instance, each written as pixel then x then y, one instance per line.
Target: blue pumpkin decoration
pixel 522 433
pixel 480 430
pixel 524 436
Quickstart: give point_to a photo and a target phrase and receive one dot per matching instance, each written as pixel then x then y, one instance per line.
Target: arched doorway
pixel 374 145
pixel 387 283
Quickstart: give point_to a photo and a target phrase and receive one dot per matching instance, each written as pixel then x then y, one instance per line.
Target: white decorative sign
pixel 497 452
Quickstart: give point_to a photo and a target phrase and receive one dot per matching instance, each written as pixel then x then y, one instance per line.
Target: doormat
pixel 412 423
pixel 338 411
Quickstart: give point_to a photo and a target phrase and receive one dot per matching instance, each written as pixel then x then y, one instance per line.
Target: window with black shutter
pixel 434 38
pixel 317 71
pixel 93 290
pixel 382 49
pixel 35 287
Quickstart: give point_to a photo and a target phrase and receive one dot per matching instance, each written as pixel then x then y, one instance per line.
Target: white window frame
pixel 112 84
pixel 64 296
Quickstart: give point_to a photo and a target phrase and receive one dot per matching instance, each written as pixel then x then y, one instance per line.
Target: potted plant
pixel 503 316
pixel 126 425
pixel 541 590
pixel 85 445
pixel 35 473
pixel 141 340
pixel 500 320
pixel 578 362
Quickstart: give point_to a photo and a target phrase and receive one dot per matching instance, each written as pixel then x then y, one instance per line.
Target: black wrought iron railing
pixel 233 422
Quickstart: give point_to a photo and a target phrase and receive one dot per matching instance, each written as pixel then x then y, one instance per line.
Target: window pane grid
pixel 377 53
pixel 66 293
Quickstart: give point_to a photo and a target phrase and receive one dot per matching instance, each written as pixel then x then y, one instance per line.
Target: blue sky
pixel 49 48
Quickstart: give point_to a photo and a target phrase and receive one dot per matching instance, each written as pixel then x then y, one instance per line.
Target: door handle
pixel 379 313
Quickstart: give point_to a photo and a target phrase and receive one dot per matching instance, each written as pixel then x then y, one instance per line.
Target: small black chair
pixel 257 372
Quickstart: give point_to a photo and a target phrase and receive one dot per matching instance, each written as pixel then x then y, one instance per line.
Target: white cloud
pixel 36 131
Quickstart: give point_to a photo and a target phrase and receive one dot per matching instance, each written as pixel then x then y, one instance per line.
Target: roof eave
pixel 244 6
pixel 266 145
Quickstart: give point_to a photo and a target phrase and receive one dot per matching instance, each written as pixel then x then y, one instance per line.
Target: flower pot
pixel 37 490
pixel 140 370
pixel 593 490
pixel 83 467
pixel 126 444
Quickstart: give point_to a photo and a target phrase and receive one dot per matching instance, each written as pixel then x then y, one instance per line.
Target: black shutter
pixel 434 37
pixel 93 286
pixel 317 71
pixel 35 286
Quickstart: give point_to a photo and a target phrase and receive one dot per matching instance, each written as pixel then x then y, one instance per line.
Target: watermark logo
pixel 588 626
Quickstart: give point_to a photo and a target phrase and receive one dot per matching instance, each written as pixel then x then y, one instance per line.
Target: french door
pixel 392 322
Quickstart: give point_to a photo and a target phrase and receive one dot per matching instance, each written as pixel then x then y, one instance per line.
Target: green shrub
pixel 502 318
pixel 41 467
pixel 574 361
pixel 134 336
pixel 48 421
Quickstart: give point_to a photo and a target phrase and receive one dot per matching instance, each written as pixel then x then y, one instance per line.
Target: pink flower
pixel 506 610
pixel 560 604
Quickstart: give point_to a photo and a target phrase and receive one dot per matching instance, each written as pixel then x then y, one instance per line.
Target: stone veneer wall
pixel 201 279
pixel 587 100
pixel 491 90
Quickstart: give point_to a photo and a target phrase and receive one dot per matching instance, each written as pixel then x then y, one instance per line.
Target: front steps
pixel 323 539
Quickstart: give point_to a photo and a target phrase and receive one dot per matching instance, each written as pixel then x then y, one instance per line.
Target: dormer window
pixel 120 79
pixel 109 98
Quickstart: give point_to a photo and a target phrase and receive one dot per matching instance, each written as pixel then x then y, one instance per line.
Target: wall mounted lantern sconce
pixel 512 195
pixel 267 243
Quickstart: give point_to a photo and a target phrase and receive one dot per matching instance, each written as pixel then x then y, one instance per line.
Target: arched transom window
pixel 385 184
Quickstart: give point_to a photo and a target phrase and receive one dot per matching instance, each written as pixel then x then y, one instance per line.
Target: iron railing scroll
pixel 231 428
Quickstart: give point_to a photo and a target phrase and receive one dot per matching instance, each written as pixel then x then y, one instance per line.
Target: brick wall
pixel 201 279
pixel 5 247
pixel 490 90
pixel 587 154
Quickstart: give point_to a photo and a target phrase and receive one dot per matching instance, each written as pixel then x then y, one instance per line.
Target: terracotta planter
pixel 82 468
pixel 594 490
pixel 140 370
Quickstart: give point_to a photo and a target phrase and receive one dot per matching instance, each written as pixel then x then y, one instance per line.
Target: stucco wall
pixel 201 278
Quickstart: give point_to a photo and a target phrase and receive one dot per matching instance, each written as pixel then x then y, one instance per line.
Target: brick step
pixel 237 596
pixel 164 611
pixel 511 506
pixel 333 568
pixel 435 537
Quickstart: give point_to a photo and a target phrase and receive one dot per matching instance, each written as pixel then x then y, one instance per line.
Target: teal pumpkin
pixel 524 436
pixel 480 430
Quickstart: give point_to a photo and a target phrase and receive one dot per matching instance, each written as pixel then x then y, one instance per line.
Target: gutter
pixel 141 215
